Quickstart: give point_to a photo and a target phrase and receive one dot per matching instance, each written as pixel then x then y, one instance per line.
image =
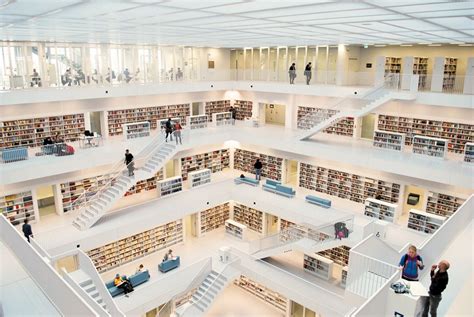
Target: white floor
pixel 236 302
pixel 19 294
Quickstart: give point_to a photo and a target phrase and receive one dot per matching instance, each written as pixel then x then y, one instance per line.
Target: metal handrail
pixel 117 169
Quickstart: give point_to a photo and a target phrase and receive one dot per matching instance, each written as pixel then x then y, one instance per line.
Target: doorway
pixel 275 114
pixel 68 262
pixel 170 169
pixel 272 224
pixel 95 122
pixel 190 226
pixel 45 196
pixel 195 108
pixel 368 126
pixel 292 172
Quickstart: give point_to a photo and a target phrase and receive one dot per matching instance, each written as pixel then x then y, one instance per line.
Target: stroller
pixel 341 230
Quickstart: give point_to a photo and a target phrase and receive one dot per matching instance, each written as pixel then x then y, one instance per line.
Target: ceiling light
pixel 466 44
pixel 434 44
pixel 426 43
pixel 366 46
pixel 406 44
pixel 380 45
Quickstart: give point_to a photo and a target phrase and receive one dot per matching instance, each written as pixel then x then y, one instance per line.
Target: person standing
pixel 129 162
pixel 169 130
pixel 258 169
pixel 307 73
pixel 410 263
pixel 26 228
pixel 439 281
pixel 177 132
pixel 292 73
pixel 233 112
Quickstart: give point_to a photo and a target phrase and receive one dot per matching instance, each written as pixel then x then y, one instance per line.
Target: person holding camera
pixel 439 281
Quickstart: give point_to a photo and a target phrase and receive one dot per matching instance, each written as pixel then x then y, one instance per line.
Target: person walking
pixel 177 132
pixel 292 73
pixel 27 232
pixel 233 112
pixel 410 263
pixel 129 163
pixel 258 169
pixel 439 281
pixel 307 73
pixel 169 130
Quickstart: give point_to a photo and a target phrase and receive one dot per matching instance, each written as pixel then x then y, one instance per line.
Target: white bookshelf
pixel 136 130
pixel 197 122
pixel 425 222
pixel 318 265
pixel 161 123
pixel 235 229
pixel 444 74
pixel 216 161
pixel 136 246
pixel 214 218
pixel 469 152
pixel 389 140
pixel 380 210
pixel 170 186
pixel 262 292
pixel 429 146
pixel 222 118
pixel 344 276
pixel 217 106
pixel 443 204
pixel 339 255
pixel 18 207
pixel 272 165
pixel 250 217
pixel 199 178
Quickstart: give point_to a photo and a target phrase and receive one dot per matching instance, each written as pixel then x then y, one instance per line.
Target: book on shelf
pixel 32 132
pixel 250 217
pixel 442 204
pixel 429 146
pixel 214 218
pixel 308 117
pixel 136 130
pixel 199 178
pixel 389 140
pixel 272 166
pixel 423 221
pixel 318 265
pixel 18 207
pixel 216 161
pixel 469 152
pixel 222 118
pixel 136 246
pixel 263 293
pixel 197 122
pixel 380 210
pixel 339 255
pixel 344 271
pixel 170 186
pixel 243 109
pixel 346 185
pixel 217 106
pixel 235 229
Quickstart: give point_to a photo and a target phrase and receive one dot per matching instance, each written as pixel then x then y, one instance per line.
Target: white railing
pixel 59 293
pixel 376 304
pixel 437 243
pixel 119 168
pixel 86 265
pixel 367 274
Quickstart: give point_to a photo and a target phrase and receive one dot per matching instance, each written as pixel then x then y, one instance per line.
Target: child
pixel 410 263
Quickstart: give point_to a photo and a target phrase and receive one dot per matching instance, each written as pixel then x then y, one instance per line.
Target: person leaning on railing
pixel 129 163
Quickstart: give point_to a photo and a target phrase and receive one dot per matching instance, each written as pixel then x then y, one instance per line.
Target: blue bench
pixel 135 279
pixel 246 180
pixel 14 154
pixel 326 203
pixel 168 265
pixel 270 185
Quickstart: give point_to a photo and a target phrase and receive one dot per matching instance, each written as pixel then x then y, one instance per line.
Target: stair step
pixel 89 213
pixel 148 170
pixel 77 226
pixel 200 306
pixel 94 294
pixel 86 283
pixel 208 294
pixel 203 299
pixel 89 288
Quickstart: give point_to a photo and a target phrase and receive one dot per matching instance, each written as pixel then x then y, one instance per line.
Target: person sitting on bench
pixel 123 284
pixel 168 256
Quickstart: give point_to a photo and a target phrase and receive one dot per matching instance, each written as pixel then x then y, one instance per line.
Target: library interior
pixel 177 158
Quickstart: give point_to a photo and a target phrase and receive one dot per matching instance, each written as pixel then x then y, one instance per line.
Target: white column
pixel 231 158
pixel 407 72
pixel 379 70
pixel 58 199
pixel 104 124
pixel 290 113
pixel 437 74
pixel 341 64
pixel 34 196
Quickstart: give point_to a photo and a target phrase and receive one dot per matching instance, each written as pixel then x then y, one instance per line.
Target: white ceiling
pixel 238 23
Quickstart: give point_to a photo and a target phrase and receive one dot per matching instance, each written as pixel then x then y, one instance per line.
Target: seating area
pixel 169 265
pixel 277 188
pixel 326 203
pixel 135 279
pixel 14 154
pixel 246 180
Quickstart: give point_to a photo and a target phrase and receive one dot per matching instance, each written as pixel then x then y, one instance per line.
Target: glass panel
pixel 116 66
pixel 178 62
pixel 141 74
pixel 96 65
pixel 4 68
pixel 273 64
pixel 321 65
pixel 256 64
pixel 283 64
pixel 168 63
pixel 34 71
pixel 18 67
pixel 189 64
pixel 128 69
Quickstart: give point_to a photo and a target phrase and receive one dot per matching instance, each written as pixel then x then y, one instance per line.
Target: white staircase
pixel 205 295
pixel 93 205
pixel 86 283
pixel 384 96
